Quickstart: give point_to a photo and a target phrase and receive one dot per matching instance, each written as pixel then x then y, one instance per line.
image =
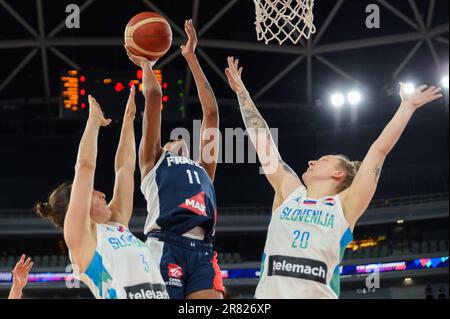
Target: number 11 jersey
pixel 180 196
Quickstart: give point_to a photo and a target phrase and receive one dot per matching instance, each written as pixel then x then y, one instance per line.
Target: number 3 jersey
pixel 305 244
pixel 122 267
pixel 180 196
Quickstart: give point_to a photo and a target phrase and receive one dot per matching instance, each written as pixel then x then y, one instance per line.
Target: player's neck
pixel 320 189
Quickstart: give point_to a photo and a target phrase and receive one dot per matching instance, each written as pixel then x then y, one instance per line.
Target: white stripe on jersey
pixel 149 188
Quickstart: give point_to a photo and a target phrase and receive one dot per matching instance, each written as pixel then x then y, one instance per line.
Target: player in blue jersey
pixel 181 201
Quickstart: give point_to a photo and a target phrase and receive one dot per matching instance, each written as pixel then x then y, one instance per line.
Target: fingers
pixel 190 29
pixel 232 64
pixel 433 98
pixel 131 104
pixel 92 101
pixel 433 90
pixel 228 74
pixel 93 104
pixel 30 266
pixel 421 88
pixel 20 262
pixel 27 263
pixel 105 123
pixel 132 95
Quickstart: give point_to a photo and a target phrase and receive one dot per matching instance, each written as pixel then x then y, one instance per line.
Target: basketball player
pixel 20 277
pixel 112 262
pixel 313 220
pixel 181 200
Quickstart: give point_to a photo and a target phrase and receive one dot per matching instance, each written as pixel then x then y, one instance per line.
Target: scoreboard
pixel 111 90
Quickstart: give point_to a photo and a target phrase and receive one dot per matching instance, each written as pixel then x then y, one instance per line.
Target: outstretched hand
pixel 234 75
pixel 421 96
pixel 130 111
pixel 139 61
pixel 96 113
pixel 20 272
pixel 191 45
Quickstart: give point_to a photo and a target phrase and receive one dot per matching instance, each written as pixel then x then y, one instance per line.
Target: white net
pixel 282 20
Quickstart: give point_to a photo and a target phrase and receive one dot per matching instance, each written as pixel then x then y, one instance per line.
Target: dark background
pixel 38 149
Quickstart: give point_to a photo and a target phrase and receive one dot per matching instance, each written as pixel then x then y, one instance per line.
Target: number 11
pixel 191 180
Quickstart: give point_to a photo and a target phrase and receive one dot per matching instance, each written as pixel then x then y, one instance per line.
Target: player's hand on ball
pixel 421 96
pixel 234 73
pixel 20 272
pixel 96 114
pixel 139 60
pixel 191 45
pixel 130 111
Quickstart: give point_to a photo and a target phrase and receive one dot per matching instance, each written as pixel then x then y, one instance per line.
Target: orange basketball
pixel 149 35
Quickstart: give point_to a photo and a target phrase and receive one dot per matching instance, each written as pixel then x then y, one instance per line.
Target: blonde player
pixel 313 219
pixel 108 258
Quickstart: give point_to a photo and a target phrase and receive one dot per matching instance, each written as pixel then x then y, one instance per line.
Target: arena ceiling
pixel 412 43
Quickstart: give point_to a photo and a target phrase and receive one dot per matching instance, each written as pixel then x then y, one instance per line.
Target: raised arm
pixel 209 135
pixel 282 178
pixel 125 164
pixel 20 277
pixel 358 196
pixel 77 232
pixel 150 146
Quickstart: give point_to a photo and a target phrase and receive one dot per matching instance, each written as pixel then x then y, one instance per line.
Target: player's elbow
pixel 211 118
pixel 83 164
pixel 379 148
pixel 126 169
pixel 153 93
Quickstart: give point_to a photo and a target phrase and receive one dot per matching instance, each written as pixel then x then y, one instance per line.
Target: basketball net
pixel 282 20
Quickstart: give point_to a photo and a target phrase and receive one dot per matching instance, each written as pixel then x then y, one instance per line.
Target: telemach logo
pixel 298 268
pixel 147 291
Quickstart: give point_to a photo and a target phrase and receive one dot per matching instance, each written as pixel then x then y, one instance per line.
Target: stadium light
pixel 445 82
pixel 354 97
pixel 408 281
pixel 337 99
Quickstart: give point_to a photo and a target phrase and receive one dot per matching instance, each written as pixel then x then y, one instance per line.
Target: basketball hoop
pixel 282 20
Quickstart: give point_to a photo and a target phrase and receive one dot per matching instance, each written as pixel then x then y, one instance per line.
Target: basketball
pixel 149 35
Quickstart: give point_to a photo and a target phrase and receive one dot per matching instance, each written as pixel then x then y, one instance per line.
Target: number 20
pixel 302 239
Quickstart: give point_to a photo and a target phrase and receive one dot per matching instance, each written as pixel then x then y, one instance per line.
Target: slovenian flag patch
pixel 309 202
pixel 329 202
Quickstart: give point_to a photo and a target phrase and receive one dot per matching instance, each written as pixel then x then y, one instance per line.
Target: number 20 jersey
pixel 305 244
pixel 180 196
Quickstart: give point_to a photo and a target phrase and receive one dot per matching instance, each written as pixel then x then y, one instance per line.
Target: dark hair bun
pixel 44 210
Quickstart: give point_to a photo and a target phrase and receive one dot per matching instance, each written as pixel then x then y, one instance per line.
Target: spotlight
pixel 337 99
pixel 354 97
pixel 410 88
pixel 445 82
pixel 408 281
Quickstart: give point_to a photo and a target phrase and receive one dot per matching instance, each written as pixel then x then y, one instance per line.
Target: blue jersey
pixel 180 196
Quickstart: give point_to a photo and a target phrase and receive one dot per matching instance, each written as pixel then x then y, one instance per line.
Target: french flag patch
pixel 309 202
pixel 329 202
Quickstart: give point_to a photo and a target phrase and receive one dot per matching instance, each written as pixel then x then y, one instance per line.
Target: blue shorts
pixel 187 265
